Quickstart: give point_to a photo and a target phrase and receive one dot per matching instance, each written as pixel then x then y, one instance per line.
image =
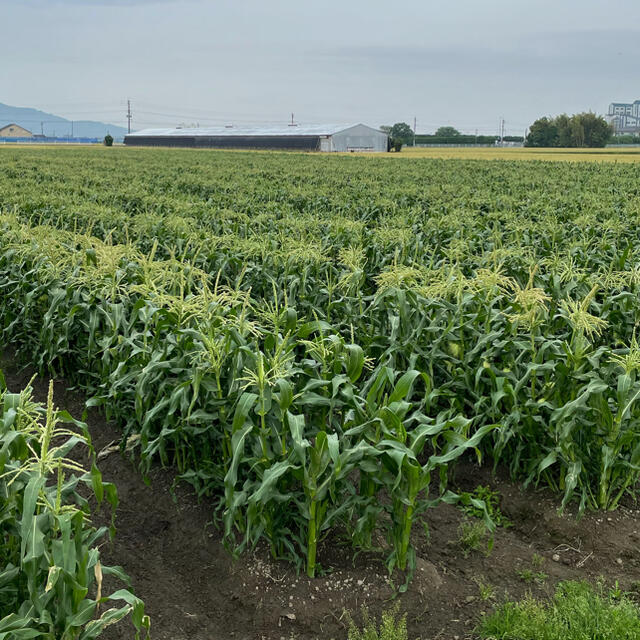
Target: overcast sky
pixel 464 63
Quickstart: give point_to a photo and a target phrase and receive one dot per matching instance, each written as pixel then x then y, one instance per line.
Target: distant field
pixel 490 153
pixel 451 153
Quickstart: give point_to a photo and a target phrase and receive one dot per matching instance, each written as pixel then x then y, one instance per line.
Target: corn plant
pixel 51 583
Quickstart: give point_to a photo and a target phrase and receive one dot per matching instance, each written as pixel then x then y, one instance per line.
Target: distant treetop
pixel 399 134
pixel 402 131
pixel 447 132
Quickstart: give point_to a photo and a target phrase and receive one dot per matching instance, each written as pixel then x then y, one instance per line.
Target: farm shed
pixel 358 137
pixel 14 131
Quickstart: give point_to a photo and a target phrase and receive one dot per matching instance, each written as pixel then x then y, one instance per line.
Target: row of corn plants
pixel 52 577
pixel 332 333
pixel 567 402
pixel 251 402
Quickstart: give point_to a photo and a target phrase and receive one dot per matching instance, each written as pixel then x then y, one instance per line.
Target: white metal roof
pixel 277 130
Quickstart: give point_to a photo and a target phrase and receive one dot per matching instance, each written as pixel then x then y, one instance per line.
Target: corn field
pixel 314 341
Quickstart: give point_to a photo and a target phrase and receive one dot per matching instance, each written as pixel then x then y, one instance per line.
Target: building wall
pixel 359 138
pixel 355 138
pixel 624 116
pixel 14 131
pixel 299 143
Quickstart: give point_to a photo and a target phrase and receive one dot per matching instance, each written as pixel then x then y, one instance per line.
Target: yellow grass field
pixel 617 154
pixel 520 153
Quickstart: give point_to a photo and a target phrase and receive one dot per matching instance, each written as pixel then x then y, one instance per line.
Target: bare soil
pixel 194 590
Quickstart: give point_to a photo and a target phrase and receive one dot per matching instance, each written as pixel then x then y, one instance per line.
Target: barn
pixel 14 131
pixel 354 137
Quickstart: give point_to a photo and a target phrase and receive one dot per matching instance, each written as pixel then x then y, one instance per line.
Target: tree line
pixel 436 138
pixel 402 134
pixel 579 130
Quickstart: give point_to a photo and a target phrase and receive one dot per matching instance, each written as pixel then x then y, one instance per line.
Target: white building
pixel 355 137
pixel 624 116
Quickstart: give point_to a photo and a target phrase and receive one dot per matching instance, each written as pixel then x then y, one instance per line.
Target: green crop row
pixel 313 339
pixel 248 400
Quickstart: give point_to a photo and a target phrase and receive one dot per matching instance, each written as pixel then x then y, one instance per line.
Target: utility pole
pixel 292 123
pixel 72 128
pixel 128 116
pixel 42 128
pixel 415 124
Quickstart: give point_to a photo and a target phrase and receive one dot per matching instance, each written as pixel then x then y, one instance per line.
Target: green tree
pixel 563 125
pixel 596 130
pixel 447 132
pixel 401 133
pixel 543 133
pixel 577 132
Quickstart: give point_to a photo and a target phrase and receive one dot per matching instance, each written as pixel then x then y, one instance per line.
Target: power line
pixel 163 115
pixel 191 116
pixel 201 112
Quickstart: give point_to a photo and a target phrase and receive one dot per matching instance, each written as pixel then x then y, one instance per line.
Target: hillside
pixel 51 125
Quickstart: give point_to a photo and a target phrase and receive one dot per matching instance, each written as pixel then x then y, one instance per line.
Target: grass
pixel 578 611
pixel 534 573
pixel 486 591
pixel 392 626
pixel 521 153
pixel 448 153
pixel 474 536
pixel 537 561
pixel 530 576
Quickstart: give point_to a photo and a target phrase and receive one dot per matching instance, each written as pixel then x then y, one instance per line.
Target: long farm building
pixel 357 137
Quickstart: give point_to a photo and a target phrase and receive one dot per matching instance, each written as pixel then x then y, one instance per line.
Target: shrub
pixel 578 611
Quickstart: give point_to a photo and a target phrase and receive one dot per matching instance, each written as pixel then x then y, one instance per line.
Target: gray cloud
pixel 578 51
pixel 466 64
pixel 41 4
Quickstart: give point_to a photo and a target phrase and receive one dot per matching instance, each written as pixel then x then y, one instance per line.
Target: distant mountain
pixel 38 121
